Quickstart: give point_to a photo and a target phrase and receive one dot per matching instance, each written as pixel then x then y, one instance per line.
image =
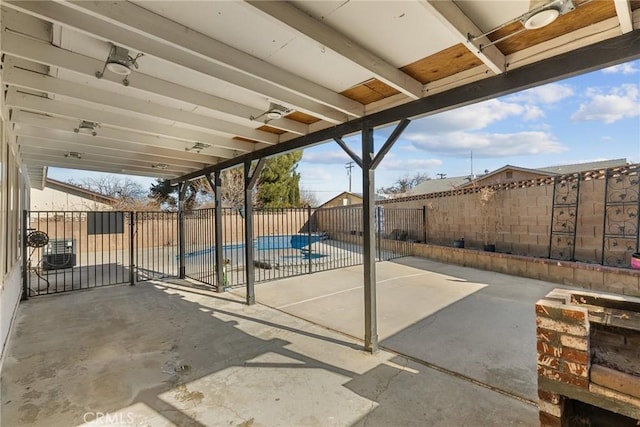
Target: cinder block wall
pixel 523 217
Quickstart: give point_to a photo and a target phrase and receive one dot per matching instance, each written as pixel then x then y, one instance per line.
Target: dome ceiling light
pixel 198 147
pixel 120 62
pixel 87 127
pixel 274 112
pixel 536 18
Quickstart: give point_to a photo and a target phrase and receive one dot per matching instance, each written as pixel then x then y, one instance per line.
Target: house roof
pixel 583 167
pixel 221 83
pixel 438 185
pixel 65 187
pixel 342 195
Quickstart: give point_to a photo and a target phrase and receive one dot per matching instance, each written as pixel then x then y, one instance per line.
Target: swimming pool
pixel 268 243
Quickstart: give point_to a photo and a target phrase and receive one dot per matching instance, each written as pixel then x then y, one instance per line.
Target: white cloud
pixel 620 103
pixel 490 144
pixel 547 94
pixel 472 117
pixel 315 174
pixel 326 157
pixel 409 164
pixel 626 68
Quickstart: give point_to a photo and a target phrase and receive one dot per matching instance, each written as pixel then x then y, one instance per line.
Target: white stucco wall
pixel 55 200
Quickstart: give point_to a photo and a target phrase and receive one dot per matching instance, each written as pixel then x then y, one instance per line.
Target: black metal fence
pixel 67 251
pixel 93 249
pixel 156 245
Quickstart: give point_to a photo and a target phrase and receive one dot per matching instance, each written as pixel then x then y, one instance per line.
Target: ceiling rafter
pixel 625 16
pixel 64 109
pixel 39 138
pixel 450 15
pixel 36 164
pixel 43 83
pixel 47 54
pixel 34 147
pixel 173 147
pixel 167 40
pixel 56 158
pixel 310 27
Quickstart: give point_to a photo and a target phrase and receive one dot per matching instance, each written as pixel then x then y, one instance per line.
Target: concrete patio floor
pixel 174 353
pixel 476 323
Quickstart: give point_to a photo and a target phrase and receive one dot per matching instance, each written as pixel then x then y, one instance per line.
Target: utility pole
pixel 441 175
pixel 348 167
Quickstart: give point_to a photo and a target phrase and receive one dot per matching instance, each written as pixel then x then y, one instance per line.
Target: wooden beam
pixel 623 10
pixel 450 15
pixel 133 27
pixel 44 53
pixel 291 16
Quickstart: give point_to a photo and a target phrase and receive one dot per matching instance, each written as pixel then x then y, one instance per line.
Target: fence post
pixel 309 238
pixel 378 232
pixel 132 275
pixel 181 236
pixel 25 266
pixel 424 224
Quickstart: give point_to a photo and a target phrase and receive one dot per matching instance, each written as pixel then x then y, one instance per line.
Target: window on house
pixel 509 174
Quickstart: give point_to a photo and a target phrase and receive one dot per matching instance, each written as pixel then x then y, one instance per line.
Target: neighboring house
pixel 62 196
pixel 437 185
pixel 508 174
pixel 343 199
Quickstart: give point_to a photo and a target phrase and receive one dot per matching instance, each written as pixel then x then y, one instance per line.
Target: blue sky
pixel 591 117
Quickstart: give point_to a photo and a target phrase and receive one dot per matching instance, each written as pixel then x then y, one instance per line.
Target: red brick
pixel 548 420
pixel 548 349
pixel 577 356
pixel 576 369
pixel 548 361
pixel 548 336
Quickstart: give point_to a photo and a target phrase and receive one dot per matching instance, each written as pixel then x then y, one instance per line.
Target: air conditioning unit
pixel 58 254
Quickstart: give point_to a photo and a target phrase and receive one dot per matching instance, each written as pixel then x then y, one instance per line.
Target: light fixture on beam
pixel 275 112
pixel 541 19
pixel 119 62
pixel 161 166
pixel 87 127
pixel 536 18
pixel 74 155
pixel 198 147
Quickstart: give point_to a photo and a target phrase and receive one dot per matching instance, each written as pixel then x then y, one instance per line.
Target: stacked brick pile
pixel 563 350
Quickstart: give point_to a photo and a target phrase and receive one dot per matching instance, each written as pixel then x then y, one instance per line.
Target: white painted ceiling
pixel 209 66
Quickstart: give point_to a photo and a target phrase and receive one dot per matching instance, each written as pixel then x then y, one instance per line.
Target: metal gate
pixel 70 251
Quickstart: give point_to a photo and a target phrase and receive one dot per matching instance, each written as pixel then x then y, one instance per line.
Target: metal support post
pixel 368 206
pixel 25 261
pixel 132 232
pixel 250 181
pixel 309 239
pixel 221 279
pixel 181 237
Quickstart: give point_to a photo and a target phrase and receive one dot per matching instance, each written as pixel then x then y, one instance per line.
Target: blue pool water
pixel 267 243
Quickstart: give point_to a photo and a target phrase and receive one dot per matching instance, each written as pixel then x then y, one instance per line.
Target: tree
pixel 127 192
pixel 404 184
pixel 277 187
pixel 279 183
pixel 308 198
pixel 164 193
